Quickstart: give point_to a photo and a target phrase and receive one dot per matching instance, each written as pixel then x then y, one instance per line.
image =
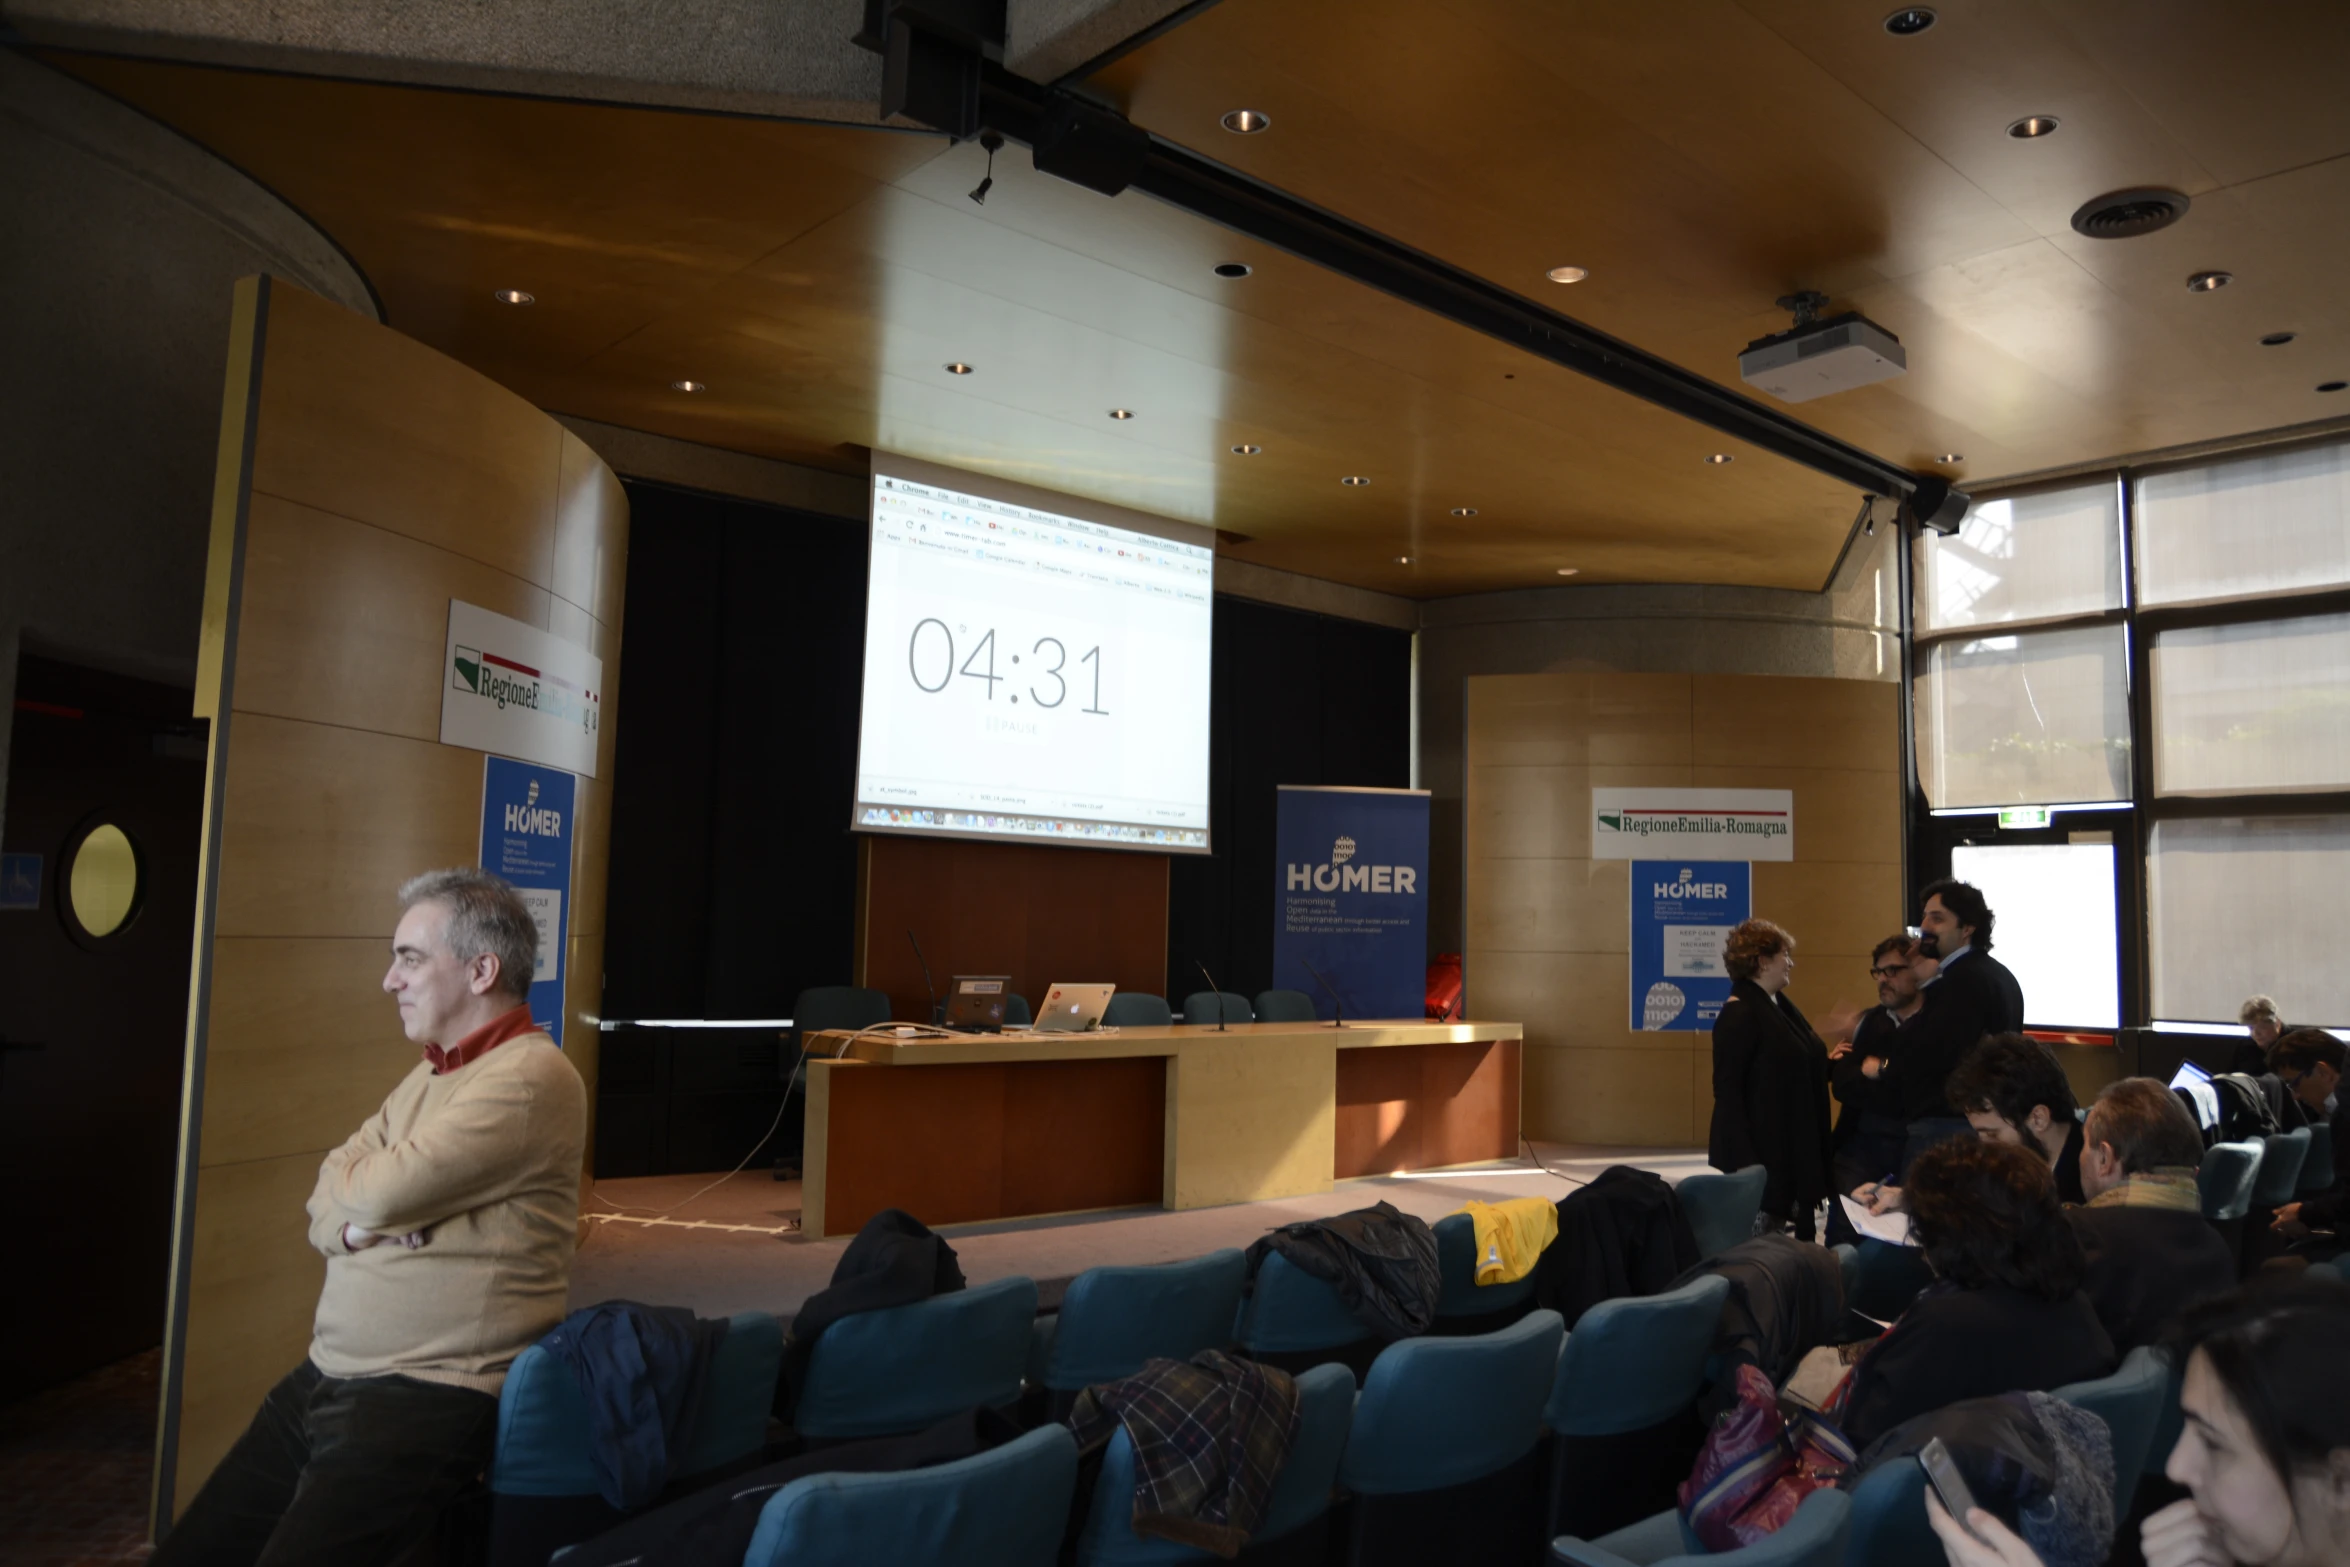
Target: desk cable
pixel 924 1030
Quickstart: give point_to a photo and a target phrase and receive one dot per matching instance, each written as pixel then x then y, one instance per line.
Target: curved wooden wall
pixel 364 481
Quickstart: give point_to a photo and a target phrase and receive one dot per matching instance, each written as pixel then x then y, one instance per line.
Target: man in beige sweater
pixel 447 1223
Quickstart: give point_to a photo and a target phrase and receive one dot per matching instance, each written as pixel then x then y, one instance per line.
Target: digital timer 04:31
pixel 938 653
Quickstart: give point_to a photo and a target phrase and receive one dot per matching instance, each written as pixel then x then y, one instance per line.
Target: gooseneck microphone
pixel 928 983
pixel 1215 990
pixel 1337 1005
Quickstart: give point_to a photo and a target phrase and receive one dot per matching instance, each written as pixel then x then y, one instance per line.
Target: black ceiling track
pixel 946 82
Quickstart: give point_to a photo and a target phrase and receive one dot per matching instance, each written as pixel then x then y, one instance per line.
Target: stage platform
pixel 735 1260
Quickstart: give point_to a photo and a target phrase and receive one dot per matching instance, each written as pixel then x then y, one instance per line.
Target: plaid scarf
pixel 2171 1186
pixel 1209 1438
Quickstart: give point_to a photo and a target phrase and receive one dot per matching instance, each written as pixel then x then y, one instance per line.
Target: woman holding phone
pixel 2265 1453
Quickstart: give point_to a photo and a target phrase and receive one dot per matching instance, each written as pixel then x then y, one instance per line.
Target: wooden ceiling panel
pixel 816 280
pixel 1701 159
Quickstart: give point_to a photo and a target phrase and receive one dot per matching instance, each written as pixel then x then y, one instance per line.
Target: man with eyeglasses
pixel 2309 1061
pixel 1869 1132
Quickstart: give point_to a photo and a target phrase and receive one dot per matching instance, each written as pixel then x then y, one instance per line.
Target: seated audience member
pixel 2005 1312
pixel 2265 1450
pixel 2011 1090
pixel 2259 1016
pixel 2150 1252
pixel 447 1223
pixel 2309 1061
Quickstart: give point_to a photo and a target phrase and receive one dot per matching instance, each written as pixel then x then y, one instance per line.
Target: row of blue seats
pixel 1438 1420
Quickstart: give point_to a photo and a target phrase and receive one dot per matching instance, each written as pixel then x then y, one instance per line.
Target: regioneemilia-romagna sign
pixel 511 688
pixel 1692 824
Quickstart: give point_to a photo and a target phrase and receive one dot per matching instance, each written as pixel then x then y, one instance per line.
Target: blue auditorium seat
pixel 2130 1402
pixel 1881 1280
pixel 1815 1537
pixel 1136 1009
pixel 1293 1320
pixel 1466 1305
pixel 542 1472
pixel 1284 1006
pixel 2230 1172
pixel 1889 1519
pixel 1301 1493
pixel 880 1373
pixel 1721 1208
pixel 1444 1458
pixel 1003 1508
pixel 1623 1405
pixel 2317 1171
pixel 2280 1168
pixel 1113 1319
pixel 1200 1007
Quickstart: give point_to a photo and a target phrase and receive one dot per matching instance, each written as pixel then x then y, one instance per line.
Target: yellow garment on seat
pixel 1511 1236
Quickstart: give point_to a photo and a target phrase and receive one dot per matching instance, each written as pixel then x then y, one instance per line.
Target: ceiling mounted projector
pixel 1818 358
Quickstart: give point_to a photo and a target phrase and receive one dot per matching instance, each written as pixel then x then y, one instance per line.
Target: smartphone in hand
pixel 1949 1484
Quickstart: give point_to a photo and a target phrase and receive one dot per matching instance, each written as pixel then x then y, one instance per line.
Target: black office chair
pixel 1136 1009
pixel 816 1009
pixel 1016 1013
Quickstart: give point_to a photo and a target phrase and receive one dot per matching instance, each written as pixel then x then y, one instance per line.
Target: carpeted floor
pixel 721 1271
pixel 74 1468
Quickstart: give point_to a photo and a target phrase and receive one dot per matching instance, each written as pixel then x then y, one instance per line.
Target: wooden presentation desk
pixel 991 1127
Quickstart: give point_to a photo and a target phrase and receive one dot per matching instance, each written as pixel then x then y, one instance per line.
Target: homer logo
pixel 1342 874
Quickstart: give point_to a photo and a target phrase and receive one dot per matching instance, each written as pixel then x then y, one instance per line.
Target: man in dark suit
pixel 2151 1253
pixel 1974 995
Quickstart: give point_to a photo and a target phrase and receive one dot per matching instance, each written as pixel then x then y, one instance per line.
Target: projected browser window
pixel 1030 675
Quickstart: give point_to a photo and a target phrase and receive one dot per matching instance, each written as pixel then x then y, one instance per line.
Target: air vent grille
pixel 2125 214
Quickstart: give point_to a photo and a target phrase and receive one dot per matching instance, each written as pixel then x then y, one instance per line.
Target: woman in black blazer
pixel 1770 1079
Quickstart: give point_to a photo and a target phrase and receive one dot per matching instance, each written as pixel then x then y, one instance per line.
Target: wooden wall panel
pixel 365 481
pixel 1036 912
pixel 1548 927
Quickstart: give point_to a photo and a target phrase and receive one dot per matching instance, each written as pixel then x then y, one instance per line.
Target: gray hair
pixel 2256 1008
pixel 486 914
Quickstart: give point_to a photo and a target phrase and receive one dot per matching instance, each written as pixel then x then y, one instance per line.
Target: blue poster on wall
pixel 1681 911
pixel 526 826
pixel 1350 924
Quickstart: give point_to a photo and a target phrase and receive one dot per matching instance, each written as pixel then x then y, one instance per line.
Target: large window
pixel 2174 641
pixel 2057 927
pixel 2240 907
pixel 2036 713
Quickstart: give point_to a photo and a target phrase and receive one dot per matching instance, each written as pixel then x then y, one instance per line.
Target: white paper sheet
pixel 1890 1227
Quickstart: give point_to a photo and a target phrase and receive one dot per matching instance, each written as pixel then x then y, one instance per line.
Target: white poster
pixel 518 691
pixel 1698 824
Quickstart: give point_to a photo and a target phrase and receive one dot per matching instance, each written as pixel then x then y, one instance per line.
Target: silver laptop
pixel 1072 1009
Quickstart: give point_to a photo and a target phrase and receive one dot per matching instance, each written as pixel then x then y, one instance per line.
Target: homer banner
pixel 1350 922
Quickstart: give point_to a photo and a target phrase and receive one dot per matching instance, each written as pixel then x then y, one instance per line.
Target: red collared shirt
pixel 479 1043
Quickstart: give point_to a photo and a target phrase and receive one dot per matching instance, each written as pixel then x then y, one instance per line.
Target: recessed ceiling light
pixel 1568 571
pixel 2206 282
pixel 1567 274
pixel 1354 478
pixel 1464 511
pixel 1247 122
pixel 1246 449
pixel 514 296
pixel 2033 126
pixel 2332 386
pixel 1719 458
pixel 1951 457
pixel 2276 339
pixel 687 386
pixel 1910 21
pixel 1121 413
pixel 957 367
pixel 1233 269
pixel 1403 560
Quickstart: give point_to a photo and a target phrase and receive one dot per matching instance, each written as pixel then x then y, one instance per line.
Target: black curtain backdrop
pixel 733 872
pixel 1299 699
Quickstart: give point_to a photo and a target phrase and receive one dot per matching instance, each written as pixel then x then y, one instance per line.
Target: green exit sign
pixel 2025 816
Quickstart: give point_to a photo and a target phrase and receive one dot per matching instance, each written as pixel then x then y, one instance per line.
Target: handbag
pixel 1757 1465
